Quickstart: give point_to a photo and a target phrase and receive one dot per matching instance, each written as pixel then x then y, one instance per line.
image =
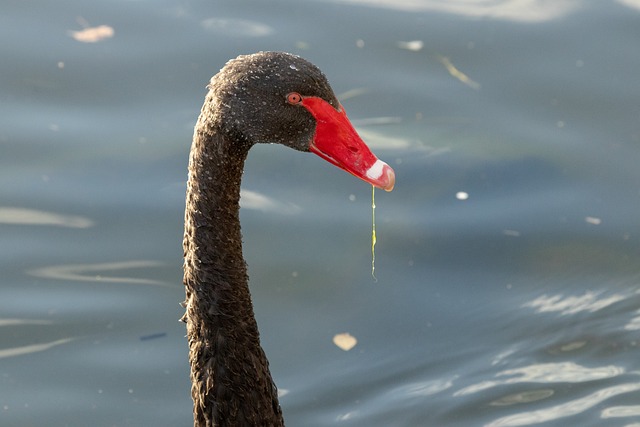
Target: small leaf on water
pixel 345 341
pixel 93 34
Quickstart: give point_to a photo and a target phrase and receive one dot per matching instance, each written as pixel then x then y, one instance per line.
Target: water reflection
pixel 621 411
pixel 546 373
pixel 236 27
pixel 20 322
pixel 509 10
pixel 634 324
pixel 33 348
pixel 568 409
pixel 23 216
pixel 523 397
pixel 552 373
pixel 565 305
pixel 95 272
pixel 424 388
pixel 253 200
pixel 380 141
pixel 635 4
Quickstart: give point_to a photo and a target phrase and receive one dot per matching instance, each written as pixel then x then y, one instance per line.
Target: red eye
pixel 294 98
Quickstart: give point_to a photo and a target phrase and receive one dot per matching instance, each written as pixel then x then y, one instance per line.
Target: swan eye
pixel 294 98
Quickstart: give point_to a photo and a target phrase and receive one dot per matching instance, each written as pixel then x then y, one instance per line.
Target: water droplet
pixel 462 195
pixel 593 220
pixel 293 67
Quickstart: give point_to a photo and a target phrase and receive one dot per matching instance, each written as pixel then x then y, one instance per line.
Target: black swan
pixel 267 97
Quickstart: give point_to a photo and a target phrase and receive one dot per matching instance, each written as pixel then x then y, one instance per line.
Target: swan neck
pixel 231 382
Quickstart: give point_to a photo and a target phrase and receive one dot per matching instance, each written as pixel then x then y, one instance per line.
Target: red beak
pixel 337 142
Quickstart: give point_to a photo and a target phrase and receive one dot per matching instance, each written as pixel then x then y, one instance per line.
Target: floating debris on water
pixel 457 73
pixel 345 341
pixel 414 45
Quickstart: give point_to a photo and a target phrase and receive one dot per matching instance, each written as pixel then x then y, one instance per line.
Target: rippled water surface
pixel 508 289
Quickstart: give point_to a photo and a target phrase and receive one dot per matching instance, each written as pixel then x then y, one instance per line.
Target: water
pixel 517 305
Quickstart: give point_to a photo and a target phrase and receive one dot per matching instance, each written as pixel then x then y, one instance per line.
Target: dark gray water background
pixel 507 258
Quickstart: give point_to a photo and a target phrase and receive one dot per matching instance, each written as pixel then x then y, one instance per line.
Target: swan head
pixel 277 97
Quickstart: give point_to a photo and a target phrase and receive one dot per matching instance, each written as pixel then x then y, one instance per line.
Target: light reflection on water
pixel 33 348
pixel 566 305
pixel 96 272
pixel 529 11
pixel 558 412
pixel 548 373
pixel 22 216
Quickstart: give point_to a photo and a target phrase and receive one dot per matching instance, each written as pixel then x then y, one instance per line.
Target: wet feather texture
pixel 246 104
